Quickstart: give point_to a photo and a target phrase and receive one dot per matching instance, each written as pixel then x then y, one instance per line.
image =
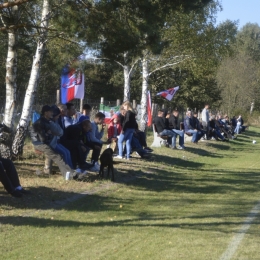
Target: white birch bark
pixel 126 83
pixel 145 85
pixel 33 82
pixel 11 87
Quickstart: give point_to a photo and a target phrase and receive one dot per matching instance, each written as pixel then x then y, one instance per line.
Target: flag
pixel 108 111
pixel 72 84
pixel 149 109
pixel 168 94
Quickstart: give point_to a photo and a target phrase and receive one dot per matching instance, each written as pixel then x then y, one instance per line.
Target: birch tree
pixel 22 126
pixel 9 18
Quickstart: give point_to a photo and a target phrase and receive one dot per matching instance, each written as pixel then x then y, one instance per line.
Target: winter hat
pixel 83 118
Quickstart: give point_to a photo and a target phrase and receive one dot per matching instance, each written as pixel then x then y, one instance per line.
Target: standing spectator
pixel 9 178
pixel 205 120
pixel 128 128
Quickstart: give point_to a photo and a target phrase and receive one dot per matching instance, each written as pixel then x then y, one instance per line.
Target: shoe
pixel 94 168
pixel 128 159
pixel 148 150
pixel 146 156
pixel 25 192
pixel 212 138
pixel 82 174
pixel 118 157
pixel 16 194
pixel 180 148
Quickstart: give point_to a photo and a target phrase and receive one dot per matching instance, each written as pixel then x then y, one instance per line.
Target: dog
pixel 106 160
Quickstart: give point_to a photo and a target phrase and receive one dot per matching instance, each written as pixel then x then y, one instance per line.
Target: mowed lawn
pixel 178 205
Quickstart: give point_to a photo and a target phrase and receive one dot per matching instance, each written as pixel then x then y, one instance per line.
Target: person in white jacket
pixel 205 120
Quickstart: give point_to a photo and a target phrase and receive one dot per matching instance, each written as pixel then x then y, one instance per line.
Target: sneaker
pixel 94 168
pixel 173 147
pixel 146 156
pixel 148 150
pixel 180 148
pixel 213 138
pixel 16 194
pixel 25 192
pixel 118 157
pixel 82 174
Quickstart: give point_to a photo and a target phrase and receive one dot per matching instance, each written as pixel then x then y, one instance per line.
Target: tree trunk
pixel 126 83
pixel 145 85
pixel 22 126
pixel 11 87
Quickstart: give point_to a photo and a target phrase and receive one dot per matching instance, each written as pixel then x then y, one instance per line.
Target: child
pixel 113 131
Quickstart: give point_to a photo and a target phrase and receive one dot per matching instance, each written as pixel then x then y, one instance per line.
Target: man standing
pixel 205 120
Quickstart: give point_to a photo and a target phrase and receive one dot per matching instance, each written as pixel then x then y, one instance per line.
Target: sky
pixel 243 10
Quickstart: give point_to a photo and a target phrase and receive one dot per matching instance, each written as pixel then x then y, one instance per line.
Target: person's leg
pixel 5 179
pixel 142 138
pixel 60 149
pixel 64 168
pixel 47 165
pixel 96 152
pixel 174 139
pixel 120 144
pixel 128 138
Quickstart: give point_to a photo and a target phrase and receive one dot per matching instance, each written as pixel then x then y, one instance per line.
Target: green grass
pixel 179 205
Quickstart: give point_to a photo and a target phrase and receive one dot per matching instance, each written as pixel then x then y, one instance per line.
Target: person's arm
pixel 92 136
pixel 68 121
pixel 56 129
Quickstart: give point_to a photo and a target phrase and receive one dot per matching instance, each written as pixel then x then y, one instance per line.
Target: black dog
pixel 106 160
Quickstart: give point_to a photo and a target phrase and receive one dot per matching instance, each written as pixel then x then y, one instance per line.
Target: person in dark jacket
pixel 162 127
pixel 42 133
pixel 128 128
pixel 188 127
pixel 175 127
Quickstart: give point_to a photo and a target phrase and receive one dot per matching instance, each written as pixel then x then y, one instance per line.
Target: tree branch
pixel 10 4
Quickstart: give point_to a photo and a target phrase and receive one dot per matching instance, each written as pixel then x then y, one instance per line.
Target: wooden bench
pixel 158 140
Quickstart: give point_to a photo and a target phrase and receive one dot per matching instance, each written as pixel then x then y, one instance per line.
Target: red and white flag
pixel 169 93
pixel 149 109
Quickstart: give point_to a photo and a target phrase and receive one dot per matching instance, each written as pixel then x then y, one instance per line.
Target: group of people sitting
pixel 66 137
pixel 214 127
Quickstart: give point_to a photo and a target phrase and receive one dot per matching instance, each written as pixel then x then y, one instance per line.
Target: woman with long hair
pixel 128 128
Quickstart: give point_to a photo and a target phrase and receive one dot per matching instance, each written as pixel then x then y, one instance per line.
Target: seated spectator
pixel 188 127
pixel 42 133
pixel 69 119
pixel 162 126
pixel 10 180
pixel 197 125
pixel 77 135
pixel 174 125
pixel 57 146
pixel 216 129
pixel 94 139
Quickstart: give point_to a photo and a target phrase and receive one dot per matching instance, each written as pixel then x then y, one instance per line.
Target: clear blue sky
pixel 243 10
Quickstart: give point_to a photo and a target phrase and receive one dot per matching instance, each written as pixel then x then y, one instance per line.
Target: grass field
pixel 191 204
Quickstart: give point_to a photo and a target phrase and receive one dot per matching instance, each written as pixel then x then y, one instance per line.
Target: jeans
pixel 137 146
pixel 127 137
pixel 65 153
pixel 169 133
pixel 181 137
pixel 195 135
